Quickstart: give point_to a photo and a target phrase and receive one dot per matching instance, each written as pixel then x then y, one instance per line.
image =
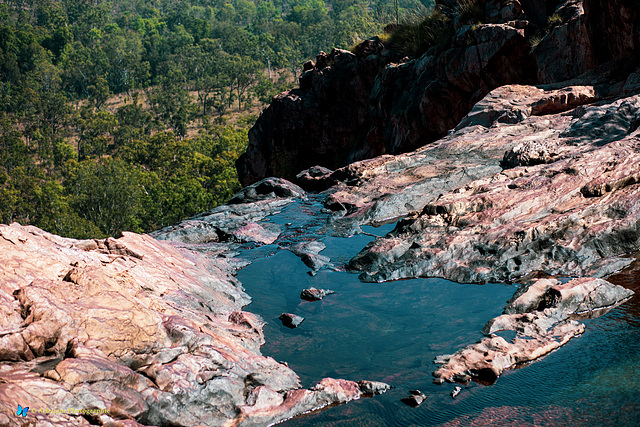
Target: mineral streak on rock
pixel 543 315
pixel 145 332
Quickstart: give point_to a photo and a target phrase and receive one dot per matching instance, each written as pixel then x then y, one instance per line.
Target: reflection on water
pixel 392 331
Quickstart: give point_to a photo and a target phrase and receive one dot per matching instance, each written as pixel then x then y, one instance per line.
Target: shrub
pixel 415 38
pixel 470 11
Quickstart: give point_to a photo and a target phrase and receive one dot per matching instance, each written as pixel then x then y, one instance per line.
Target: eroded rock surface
pixel 542 314
pixel 565 201
pixel 354 106
pixel 145 332
pixel 239 220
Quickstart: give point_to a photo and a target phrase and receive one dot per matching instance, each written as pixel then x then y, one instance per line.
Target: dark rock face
pixel 418 102
pixel 566 51
pixel 356 106
pixel 318 123
pixel 613 27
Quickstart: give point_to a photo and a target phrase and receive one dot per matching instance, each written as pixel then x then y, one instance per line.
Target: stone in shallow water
pixel 415 399
pixel 291 320
pixel 373 387
pixel 456 391
pixel 313 294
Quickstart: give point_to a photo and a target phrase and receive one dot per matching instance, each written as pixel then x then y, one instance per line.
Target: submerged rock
pixel 291 320
pixel 313 294
pixel 309 253
pixel 542 316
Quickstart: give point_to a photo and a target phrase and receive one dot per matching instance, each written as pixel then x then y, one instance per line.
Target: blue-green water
pixel 391 332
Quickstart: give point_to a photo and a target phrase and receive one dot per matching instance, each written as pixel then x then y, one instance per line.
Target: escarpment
pixel 375 101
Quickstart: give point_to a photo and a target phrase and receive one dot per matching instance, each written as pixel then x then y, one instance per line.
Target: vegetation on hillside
pixel 129 115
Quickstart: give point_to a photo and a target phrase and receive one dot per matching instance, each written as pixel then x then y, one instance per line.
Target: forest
pixel 129 115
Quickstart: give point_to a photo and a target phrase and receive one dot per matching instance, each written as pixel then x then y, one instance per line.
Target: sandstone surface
pixel 133 331
pixel 498 199
pixel 542 315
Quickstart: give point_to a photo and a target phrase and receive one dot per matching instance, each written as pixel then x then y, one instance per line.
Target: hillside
pixel 151 99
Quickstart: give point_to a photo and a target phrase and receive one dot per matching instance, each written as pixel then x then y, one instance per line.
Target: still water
pixel 392 331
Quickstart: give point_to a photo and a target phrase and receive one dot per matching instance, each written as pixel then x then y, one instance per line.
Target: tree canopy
pixel 129 115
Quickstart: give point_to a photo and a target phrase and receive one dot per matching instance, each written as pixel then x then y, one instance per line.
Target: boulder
pixel 313 294
pixel 415 398
pixel 291 320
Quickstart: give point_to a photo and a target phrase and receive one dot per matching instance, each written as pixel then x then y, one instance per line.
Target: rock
pixel 352 107
pixel 371 388
pixel 327 392
pixel 456 391
pixel 613 28
pixel 416 398
pixel 309 252
pixel 137 332
pixel 238 221
pixel 542 315
pixel 327 112
pixel 566 50
pixel 291 320
pixel 268 188
pixel 313 294
pixel 568 203
pixel 316 178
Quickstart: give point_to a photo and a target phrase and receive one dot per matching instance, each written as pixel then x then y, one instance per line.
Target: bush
pixel 470 11
pixel 415 38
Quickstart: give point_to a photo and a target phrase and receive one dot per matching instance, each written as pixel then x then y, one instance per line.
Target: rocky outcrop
pixel 354 106
pixel 133 331
pixel 319 123
pixel 238 220
pixel 418 102
pixel 565 201
pixel 542 315
pixel 614 28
